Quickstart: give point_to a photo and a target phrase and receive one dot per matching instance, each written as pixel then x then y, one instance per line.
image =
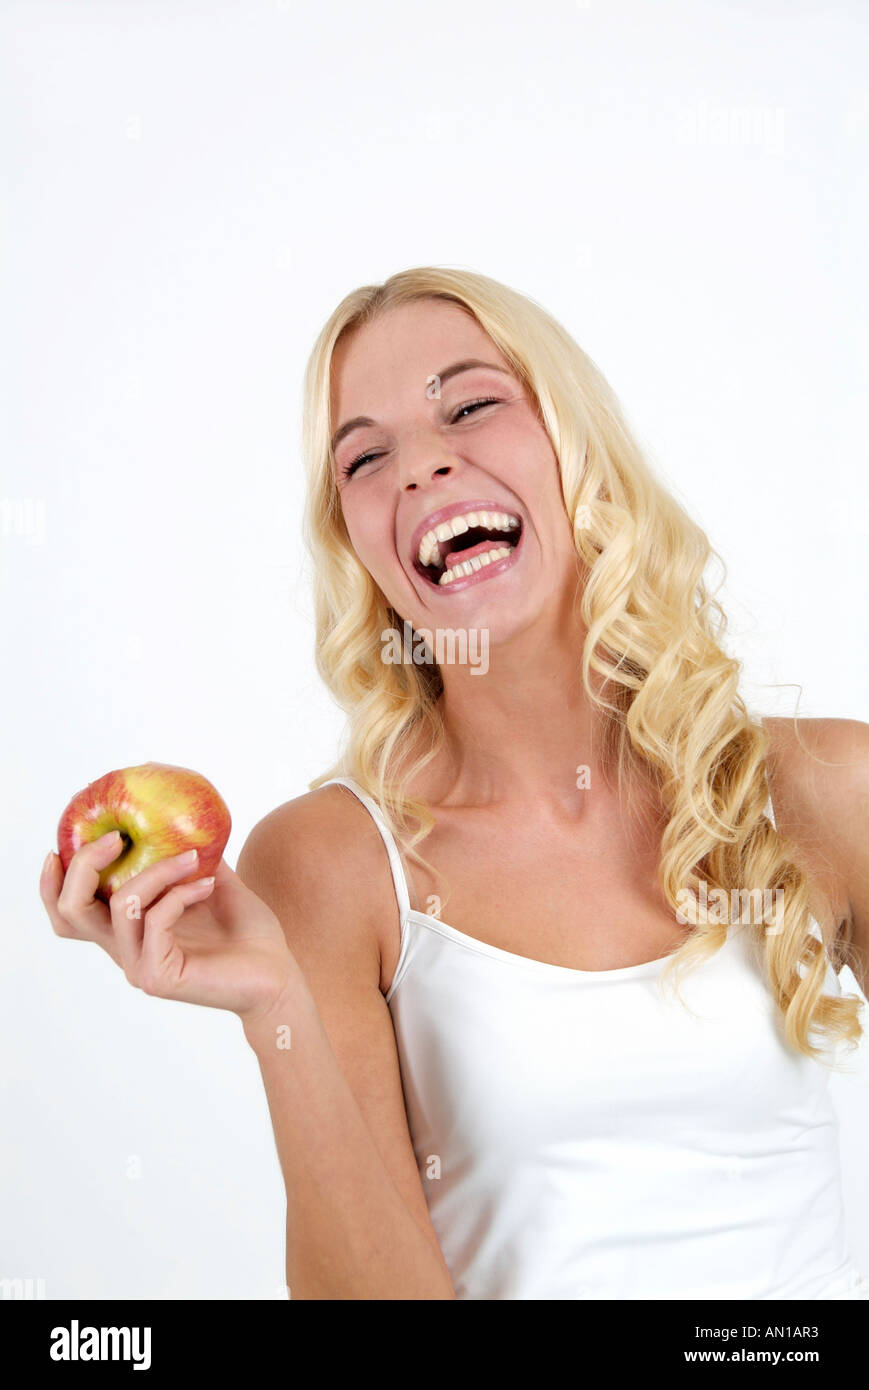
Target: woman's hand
pixel 210 941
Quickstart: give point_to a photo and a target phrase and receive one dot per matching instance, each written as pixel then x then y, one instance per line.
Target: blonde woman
pixel 556 944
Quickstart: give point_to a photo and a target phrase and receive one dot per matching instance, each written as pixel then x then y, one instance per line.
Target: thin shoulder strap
pixel 395 864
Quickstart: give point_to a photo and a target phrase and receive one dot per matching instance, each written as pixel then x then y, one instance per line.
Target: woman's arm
pixel 825 810
pixel 357 1221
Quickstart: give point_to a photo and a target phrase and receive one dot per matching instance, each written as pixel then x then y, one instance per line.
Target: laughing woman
pixel 561 936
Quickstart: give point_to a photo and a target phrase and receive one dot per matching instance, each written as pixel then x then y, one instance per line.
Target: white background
pixel 188 190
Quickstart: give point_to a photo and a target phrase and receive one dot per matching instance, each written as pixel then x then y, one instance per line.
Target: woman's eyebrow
pixel 466 365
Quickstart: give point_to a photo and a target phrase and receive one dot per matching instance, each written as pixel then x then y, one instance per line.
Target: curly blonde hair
pixel 653 664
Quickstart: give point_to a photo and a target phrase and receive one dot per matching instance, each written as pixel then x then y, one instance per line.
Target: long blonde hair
pixel 653 663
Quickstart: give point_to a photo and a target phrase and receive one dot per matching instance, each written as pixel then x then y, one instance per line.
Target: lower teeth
pixel 470 566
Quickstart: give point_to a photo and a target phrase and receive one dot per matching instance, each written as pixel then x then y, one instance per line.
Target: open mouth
pixel 465 544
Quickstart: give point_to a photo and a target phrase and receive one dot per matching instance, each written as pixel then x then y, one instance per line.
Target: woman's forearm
pixel 350 1234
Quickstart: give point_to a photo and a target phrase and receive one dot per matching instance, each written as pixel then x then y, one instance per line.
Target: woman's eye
pixel 474 405
pixel 350 469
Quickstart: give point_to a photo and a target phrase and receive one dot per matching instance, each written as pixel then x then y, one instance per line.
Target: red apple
pixel 159 809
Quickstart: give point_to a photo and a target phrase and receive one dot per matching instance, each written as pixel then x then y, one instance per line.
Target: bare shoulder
pixel 320 863
pixel 818 770
pixel 818 773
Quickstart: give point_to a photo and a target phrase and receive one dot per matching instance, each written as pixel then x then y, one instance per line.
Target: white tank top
pixel 579 1134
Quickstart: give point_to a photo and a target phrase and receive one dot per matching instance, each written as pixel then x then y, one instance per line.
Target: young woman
pixel 453 956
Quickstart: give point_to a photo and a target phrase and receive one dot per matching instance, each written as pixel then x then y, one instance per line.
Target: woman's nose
pixel 419 464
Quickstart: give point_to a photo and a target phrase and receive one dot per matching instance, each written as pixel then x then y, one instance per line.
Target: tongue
pixel 458 557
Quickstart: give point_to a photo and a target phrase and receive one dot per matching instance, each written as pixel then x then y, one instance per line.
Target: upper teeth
pixel 429 549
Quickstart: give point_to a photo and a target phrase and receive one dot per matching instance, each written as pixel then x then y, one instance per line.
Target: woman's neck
pixel 523 732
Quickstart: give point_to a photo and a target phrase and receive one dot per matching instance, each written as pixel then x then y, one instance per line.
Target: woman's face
pixel 453 507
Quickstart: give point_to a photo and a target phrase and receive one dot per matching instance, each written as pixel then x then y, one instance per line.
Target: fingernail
pixel 188 857
pixel 110 835
pixel 47 865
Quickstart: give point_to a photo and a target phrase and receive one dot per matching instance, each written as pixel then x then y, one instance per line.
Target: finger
pixel 100 928
pixel 223 872
pixel 74 891
pixel 130 902
pixel 162 961
pixel 234 894
pixel 228 880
